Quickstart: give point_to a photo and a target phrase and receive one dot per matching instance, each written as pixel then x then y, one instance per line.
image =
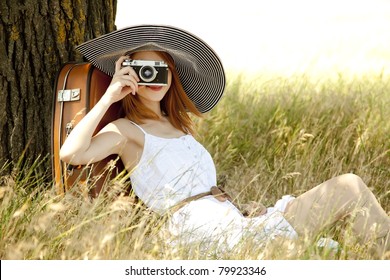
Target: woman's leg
pixel 345 196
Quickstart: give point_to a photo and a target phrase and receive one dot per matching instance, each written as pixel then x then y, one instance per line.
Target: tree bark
pixel 36 38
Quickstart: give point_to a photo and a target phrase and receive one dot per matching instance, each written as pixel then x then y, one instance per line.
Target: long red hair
pixel 175 105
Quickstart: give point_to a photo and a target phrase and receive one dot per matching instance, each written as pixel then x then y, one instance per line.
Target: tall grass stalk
pixel 269 136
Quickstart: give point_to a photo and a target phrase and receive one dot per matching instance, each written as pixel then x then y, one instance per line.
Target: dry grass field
pixel 269 136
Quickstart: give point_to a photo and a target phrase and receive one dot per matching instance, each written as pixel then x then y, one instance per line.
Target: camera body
pixel 150 73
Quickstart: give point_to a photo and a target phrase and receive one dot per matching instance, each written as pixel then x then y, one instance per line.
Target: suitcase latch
pixel 68 128
pixel 69 95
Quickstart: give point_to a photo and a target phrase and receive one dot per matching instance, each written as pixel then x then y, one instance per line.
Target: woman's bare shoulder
pixel 127 129
pixel 121 122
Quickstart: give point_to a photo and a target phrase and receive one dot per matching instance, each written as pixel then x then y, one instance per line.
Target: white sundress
pixel 172 169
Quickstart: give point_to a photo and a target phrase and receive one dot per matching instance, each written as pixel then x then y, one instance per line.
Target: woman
pixel 172 173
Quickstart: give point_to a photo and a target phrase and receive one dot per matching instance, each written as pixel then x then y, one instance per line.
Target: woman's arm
pixel 81 147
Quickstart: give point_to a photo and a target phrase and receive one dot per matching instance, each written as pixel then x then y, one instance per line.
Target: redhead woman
pixel 171 172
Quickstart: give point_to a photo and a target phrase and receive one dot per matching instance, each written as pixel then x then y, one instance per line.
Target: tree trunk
pixel 36 38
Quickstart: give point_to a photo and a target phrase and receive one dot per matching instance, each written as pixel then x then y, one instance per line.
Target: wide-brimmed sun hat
pixel 200 70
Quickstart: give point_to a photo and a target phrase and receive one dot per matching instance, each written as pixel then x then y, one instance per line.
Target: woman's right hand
pixel 124 82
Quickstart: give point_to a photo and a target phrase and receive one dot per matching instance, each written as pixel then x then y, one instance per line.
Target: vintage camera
pixel 150 73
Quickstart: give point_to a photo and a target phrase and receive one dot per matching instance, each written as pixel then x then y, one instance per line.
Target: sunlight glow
pixel 279 36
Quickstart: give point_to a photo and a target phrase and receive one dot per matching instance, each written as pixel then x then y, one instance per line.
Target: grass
pixel 289 134
pixel 269 136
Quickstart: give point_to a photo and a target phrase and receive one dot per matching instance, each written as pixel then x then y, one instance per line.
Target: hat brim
pixel 200 70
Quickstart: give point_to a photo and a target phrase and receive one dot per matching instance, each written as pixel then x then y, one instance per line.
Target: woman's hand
pixel 124 82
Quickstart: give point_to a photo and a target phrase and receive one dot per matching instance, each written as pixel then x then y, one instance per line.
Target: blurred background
pixel 319 37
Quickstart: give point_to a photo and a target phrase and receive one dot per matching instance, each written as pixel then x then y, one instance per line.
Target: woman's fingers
pixel 127 70
pixel 118 64
pixel 133 80
pixel 119 70
pixel 127 84
pixel 127 73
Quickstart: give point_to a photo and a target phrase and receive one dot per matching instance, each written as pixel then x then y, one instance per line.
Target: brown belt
pixel 217 192
pixel 253 209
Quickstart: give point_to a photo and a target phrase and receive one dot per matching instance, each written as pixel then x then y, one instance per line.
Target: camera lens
pixel 147 73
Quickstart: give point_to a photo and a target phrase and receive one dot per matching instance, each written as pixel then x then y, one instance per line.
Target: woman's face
pixel 152 93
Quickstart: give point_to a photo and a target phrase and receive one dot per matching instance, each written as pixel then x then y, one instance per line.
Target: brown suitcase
pixel 77 89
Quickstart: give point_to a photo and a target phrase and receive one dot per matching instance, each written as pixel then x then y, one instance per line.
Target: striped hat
pixel 200 70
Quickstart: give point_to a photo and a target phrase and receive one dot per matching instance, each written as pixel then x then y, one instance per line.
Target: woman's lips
pixel 155 88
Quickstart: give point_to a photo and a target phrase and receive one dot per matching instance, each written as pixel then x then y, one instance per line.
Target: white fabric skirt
pixel 208 221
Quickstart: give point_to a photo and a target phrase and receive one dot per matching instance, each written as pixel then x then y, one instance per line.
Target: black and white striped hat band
pixel 200 70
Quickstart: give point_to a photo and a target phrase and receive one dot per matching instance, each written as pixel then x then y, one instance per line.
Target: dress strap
pixel 139 127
